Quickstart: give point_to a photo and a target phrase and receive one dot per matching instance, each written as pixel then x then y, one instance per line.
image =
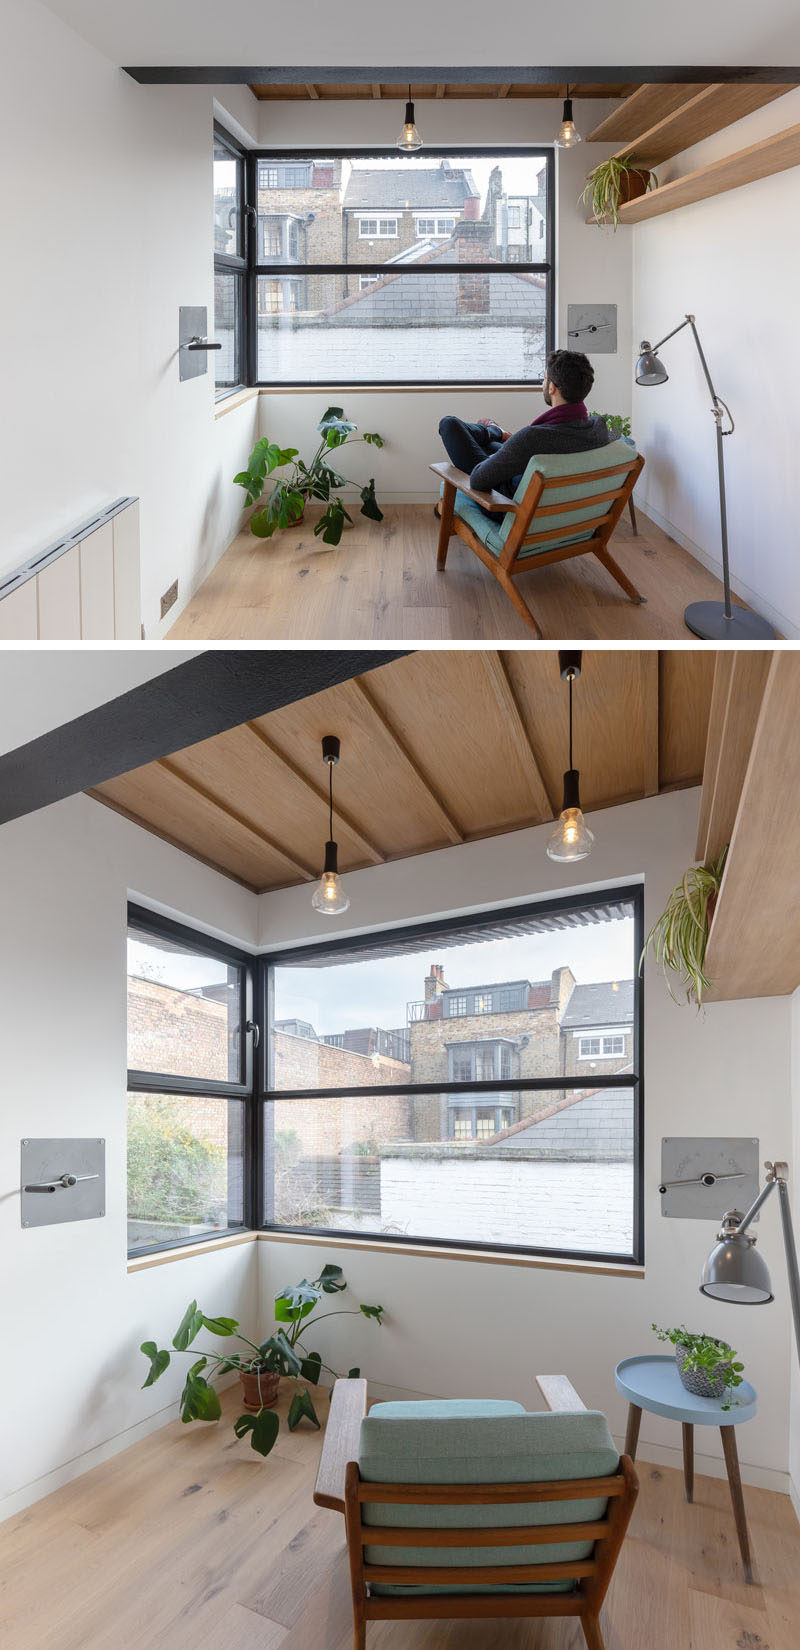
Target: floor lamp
pixel 711 621
pixel 736 1272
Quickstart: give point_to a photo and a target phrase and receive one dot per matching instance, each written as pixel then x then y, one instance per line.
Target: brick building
pixel 389 212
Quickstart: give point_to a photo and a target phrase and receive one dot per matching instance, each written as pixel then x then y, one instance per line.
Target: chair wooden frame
pixel 340 1486
pixel 507 566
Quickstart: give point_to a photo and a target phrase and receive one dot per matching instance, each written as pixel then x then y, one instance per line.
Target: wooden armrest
pixel 340 1444
pixel 558 1392
pixel 460 479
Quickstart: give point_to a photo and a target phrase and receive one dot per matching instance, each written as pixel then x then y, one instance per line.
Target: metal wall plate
pixel 192 323
pixel 592 328
pixel 43 1162
pixel 687 1159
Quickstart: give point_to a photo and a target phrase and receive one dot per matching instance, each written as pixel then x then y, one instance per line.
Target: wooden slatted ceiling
pixel 437 748
pixel 399 93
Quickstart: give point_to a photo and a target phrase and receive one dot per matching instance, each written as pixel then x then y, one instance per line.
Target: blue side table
pixel 653 1383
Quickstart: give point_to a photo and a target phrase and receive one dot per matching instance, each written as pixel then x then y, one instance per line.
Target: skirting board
pixel 787 627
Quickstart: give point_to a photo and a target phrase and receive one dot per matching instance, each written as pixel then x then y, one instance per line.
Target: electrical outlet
pixel 169 599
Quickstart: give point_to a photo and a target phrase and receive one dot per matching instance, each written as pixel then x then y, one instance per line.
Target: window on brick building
pixel 373 305
pixel 230 264
pixel 190 1084
pixel 400 1117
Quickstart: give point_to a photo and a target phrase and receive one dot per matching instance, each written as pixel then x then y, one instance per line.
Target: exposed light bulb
pixel 330 895
pixel 571 838
pixel 568 134
pixel 410 139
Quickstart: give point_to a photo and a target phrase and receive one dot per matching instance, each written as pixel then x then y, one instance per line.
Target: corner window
pixel 399 1116
pixel 230 263
pixel 190 1084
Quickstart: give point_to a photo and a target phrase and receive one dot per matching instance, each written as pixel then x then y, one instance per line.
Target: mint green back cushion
pixel 473 1446
pixel 494 534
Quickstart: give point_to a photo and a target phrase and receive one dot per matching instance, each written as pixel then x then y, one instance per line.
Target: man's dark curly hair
pixel 571 372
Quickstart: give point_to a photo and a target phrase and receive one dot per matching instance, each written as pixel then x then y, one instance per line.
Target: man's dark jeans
pixel 469 444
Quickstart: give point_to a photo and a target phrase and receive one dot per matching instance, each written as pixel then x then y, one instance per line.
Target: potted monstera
pixel 319 478
pixel 261 1365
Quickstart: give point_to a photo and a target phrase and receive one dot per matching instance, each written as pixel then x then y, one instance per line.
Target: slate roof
pixel 600 1005
pixel 414 300
pixel 401 188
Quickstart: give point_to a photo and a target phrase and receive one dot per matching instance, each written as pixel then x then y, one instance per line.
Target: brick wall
pixel 176 1032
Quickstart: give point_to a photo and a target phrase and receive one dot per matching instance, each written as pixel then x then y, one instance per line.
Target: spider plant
pixel 679 938
pixel 605 187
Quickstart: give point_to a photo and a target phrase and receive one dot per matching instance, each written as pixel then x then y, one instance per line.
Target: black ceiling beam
pixel 194 701
pixel 474 75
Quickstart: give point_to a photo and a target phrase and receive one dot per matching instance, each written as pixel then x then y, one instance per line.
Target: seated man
pixel 495 459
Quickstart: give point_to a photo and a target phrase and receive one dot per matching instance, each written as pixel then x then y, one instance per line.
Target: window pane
pixel 227 329
pixel 551 1170
pixel 370 209
pixel 185 1167
pixel 402 326
pixel 184 1011
pixel 512 999
pixel 228 229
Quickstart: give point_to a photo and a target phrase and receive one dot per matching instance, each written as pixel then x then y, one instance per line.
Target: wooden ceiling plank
pixel 440 90
pixel 311 91
pixel 306 872
pixel 503 91
pixel 172 841
pixel 754 943
pixel 649 678
pixel 451 830
pixel 647 105
pixel 376 90
pixel 367 846
pixel 736 706
pixel 500 685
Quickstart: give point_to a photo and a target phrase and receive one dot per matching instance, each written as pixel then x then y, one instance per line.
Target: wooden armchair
pixel 557 513
pixel 393 1571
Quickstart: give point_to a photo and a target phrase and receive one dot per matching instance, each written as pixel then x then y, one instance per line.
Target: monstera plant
pixel 319 478
pixel 261 1365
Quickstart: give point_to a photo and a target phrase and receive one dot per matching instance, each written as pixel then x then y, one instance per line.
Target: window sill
pixel 443 1252
pixel 237 399
pixel 399 389
pixel 163 1257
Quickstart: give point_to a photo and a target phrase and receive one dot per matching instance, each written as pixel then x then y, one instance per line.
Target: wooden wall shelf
pixel 760 160
pixel 710 110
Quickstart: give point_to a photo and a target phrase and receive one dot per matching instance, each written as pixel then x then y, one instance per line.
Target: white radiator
pixel 85 587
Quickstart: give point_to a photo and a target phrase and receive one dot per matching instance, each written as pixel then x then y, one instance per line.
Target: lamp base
pixel 709 621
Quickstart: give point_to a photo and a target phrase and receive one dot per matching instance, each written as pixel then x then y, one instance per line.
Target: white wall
pixel 592 266
pixel 72 1381
pixel 465 1328
pixel 732 262
pixel 109 234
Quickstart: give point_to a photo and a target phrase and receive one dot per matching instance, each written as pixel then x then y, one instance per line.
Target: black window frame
pixel 546 267
pixel 267 1094
pixel 228 263
pixel 155 925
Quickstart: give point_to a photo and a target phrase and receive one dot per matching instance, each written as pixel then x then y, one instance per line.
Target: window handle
pixel 255 1031
pixel 61 1183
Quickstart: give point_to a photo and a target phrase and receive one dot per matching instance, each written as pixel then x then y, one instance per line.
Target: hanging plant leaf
pixel 190 1325
pixel 369 503
pixel 300 1407
pixel 311 1367
pixel 263 1427
pixel 159 1361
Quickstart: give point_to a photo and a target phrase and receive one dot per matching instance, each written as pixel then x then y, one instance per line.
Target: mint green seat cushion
pixel 470 1448
pixel 494 534
pixel 439 1409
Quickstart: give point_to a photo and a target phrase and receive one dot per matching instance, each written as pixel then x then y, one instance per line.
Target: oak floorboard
pixel 381 583
pixel 188 1541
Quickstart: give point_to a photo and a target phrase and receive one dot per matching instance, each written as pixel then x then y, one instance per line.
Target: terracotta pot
pixel 632 185
pixel 259 1388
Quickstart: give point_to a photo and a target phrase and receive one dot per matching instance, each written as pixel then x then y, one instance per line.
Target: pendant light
pixel 571 838
pixel 409 140
pixel 330 896
pixel 568 134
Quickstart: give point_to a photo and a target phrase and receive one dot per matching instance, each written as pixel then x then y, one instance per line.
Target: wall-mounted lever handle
pixel 62 1182
pixel 200 343
pixel 707 1179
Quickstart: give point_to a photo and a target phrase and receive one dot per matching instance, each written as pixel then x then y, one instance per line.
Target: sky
pixel 346 995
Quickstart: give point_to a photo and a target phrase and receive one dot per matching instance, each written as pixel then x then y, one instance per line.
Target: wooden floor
pixel 188 1541
pixel 381 582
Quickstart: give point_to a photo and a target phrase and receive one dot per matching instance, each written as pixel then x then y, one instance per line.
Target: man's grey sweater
pixel 503 469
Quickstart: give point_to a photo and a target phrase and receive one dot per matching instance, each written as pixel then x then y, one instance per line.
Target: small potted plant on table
pixel 707 1367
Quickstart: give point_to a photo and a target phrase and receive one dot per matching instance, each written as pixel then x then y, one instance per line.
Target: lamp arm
pixel 686 323
pixel 755 1206
pixel 791 1257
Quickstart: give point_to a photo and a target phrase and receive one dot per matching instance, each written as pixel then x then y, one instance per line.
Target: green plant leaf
pixel 372 439
pixel 279 1356
pixel 190 1325
pixel 331 1280
pixel 336 435
pixel 331 416
pixel 373 1312
pixel 353 1374
pixel 199 1401
pixel 299 1407
pixel 263 1427
pixel 369 503
pixel 221 1326
pixel 310 1368
pixel 159 1361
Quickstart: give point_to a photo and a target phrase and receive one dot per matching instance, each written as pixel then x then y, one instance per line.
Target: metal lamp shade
pixel 649 369
pixel 736 1272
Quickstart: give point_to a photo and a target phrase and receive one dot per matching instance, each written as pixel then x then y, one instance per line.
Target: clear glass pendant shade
pixel 410 139
pixel 330 895
pixel 571 838
pixel 568 134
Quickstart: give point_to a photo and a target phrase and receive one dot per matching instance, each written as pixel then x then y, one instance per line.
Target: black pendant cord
pixel 330 801
pixel 570 722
